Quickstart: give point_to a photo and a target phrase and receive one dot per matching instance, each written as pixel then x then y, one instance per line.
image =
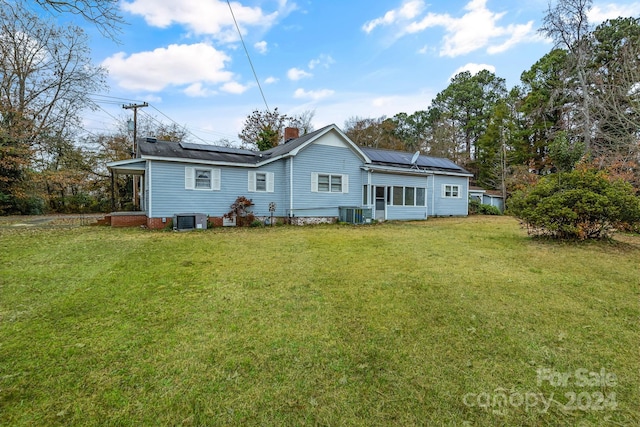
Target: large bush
pixel 582 204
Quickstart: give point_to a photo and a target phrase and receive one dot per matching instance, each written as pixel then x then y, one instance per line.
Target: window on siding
pixel 365 193
pixel 196 178
pixel 329 183
pixel 421 196
pixel 397 196
pixel 323 183
pixel 451 191
pixel 260 182
pixel 336 183
pixel 409 196
pixel 203 179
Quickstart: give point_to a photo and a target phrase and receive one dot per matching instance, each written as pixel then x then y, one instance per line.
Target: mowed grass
pixel 393 324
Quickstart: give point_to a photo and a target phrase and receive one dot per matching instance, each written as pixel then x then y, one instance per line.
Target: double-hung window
pixel 451 191
pixel 329 183
pixel 261 182
pixel 201 178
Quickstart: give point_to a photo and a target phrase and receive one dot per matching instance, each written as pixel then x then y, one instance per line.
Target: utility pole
pixel 135 107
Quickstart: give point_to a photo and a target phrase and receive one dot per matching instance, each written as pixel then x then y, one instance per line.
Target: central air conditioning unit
pixel 354 215
pixel 189 221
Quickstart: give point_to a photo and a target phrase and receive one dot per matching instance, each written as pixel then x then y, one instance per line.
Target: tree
pixel 567 25
pixel 412 129
pixel 581 204
pixel 564 154
pixel 103 13
pixel 543 107
pixel 615 64
pixel 492 149
pixel 373 132
pixel 303 121
pixel 464 109
pixel 45 76
pixel 264 129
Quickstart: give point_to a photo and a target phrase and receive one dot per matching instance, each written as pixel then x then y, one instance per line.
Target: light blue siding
pixel 325 159
pixel 166 195
pixel 170 197
pixel 493 201
pixel 402 212
pixel 449 206
pixel 261 200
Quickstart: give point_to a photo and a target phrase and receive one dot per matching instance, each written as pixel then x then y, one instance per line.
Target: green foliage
pixel 267 138
pixel 565 154
pixel 475 207
pixel 582 204
pixel 264 129
pixel 489 210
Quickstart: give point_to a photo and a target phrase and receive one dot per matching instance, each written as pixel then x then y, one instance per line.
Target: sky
pixel 339 58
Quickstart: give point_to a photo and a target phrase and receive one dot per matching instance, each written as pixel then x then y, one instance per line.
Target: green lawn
pixel 446 321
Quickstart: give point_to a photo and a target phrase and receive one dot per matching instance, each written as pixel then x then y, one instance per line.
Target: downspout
pixel 113 191
pixel 370 191
pixel 290 187
pixel 433 195
pixel 149 190
pixel 426 208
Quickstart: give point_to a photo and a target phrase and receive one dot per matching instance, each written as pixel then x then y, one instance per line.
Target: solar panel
pixel 216 149
pixel 404 159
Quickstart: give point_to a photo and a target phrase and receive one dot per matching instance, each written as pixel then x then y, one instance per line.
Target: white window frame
pixel 253 182
pixel 451 189
pixel 391 200
pixel 190 178
pixel 344 182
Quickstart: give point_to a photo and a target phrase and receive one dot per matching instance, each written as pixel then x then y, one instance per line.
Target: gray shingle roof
pixel 214 153
pixel 209 153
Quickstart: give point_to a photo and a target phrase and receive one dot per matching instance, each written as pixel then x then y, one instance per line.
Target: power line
pixel 255 75
pixel 100 99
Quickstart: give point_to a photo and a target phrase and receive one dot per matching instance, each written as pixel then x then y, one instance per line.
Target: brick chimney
pixel 291 133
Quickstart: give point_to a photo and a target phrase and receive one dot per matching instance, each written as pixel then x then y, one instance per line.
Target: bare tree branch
pixel 104 14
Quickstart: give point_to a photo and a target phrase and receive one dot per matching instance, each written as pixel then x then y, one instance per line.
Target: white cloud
pixel 477 29
pixel 197 90
pixel 271 80
pixel 473 68
pixel 297 74
pixel 234 87
pixel 261 47
pixel 313 94
pixel 211 17
pixel 409 10
pixel 601 12
pixel 175 65
pixel 323 60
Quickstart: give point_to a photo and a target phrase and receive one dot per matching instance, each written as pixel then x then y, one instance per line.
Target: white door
pixel 381 198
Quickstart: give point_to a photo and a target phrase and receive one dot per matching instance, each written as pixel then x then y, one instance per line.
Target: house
pixel 317 177
pixel 487 197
